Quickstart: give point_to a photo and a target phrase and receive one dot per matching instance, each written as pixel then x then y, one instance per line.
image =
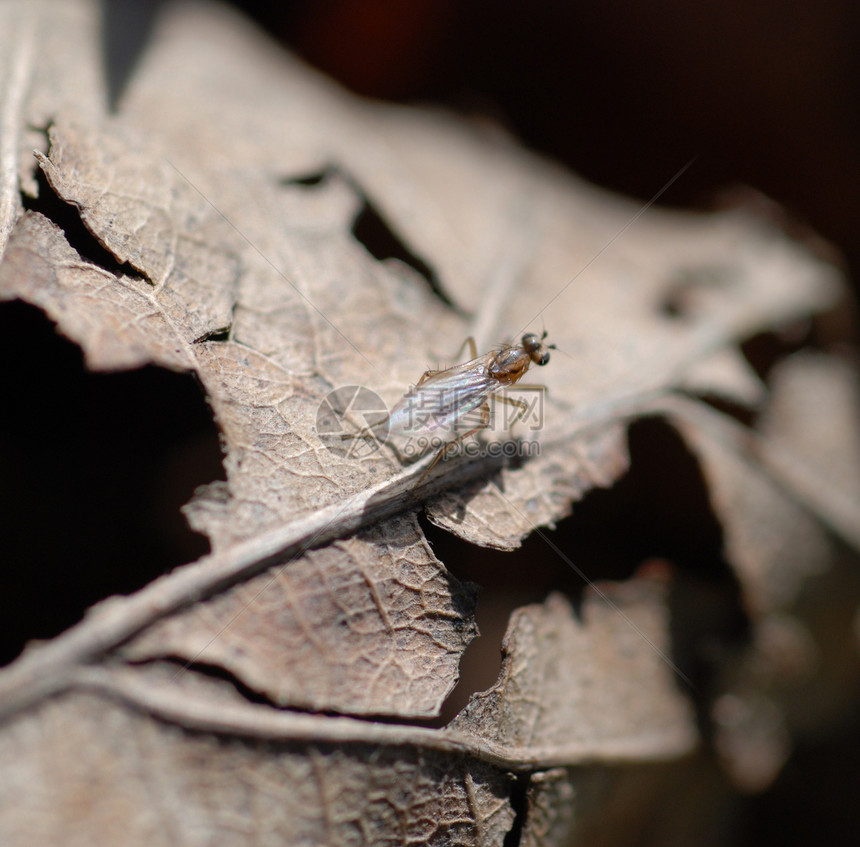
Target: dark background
pixel 767 94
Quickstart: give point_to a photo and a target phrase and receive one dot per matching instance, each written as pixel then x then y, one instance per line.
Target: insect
pixel 433 410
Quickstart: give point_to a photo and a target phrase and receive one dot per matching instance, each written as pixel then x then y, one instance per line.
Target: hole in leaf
pixel 762 353
pixel 765 350
pixel 382 242
pixel 520 805
pixel 215 673
pixel 94 470
pixel 310 180
pixel 66 216
pixel 742 414
pixel 215 335
pixel 373 231
pixel 659 510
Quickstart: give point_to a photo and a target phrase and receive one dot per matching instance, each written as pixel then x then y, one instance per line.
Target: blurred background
pixel 766 94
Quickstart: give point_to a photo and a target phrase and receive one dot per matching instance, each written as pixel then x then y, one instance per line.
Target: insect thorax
pixel 509 365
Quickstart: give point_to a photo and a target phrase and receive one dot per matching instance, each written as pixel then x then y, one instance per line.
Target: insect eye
pixel 544 358
pixel 530 341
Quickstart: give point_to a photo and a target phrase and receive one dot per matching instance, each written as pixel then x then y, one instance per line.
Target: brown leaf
pixel 146 782
pixel 369 625
pixel 575 685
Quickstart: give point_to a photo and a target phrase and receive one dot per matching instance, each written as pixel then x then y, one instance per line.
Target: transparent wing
pixel 442 399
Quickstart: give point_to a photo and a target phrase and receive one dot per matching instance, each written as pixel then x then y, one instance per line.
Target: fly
pixel 432 409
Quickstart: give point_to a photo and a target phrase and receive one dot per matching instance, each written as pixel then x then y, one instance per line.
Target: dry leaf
pixel 146 781
pixel 369 625
pixel 224 197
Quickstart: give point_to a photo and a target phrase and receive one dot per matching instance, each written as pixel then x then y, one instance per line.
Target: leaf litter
pixel 321 593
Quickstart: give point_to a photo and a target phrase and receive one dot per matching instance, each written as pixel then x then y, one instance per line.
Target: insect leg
pixel 473 354
pixel 485 422
pixel 473 350
pixel 428 374
pixel 513 401
pixel 367 430
pixel 520 404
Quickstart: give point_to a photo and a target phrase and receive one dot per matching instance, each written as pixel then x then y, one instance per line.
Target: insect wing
pixel 435 406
